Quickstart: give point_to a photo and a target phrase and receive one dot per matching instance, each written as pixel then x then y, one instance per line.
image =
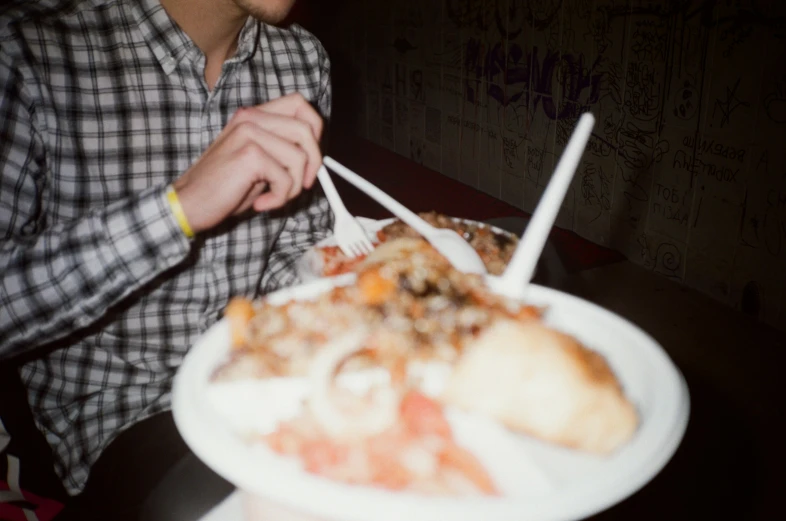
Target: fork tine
pixel 367 245
pixel 367 242
pixel 366 239
pixel 345 247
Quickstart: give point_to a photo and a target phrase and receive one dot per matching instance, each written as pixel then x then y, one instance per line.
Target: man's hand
pixel 262 159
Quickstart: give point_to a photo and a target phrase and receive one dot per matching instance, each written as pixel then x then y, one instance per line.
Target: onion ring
pixel 384 411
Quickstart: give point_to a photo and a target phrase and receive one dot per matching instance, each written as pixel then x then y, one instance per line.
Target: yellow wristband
pixel 177 211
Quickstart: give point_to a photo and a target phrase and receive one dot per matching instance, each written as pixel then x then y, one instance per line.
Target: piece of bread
pixel 543 383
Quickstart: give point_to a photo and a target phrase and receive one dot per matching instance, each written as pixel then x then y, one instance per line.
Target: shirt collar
pixel 170 44
pixel 247 40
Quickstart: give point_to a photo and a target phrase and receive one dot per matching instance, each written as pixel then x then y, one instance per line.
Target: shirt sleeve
pixel 59 278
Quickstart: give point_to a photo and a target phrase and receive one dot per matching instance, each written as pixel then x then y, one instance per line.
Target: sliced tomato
pixel 336 263
pixel 423 416
pixel 387 472
pixel 319 456
pixel 284 441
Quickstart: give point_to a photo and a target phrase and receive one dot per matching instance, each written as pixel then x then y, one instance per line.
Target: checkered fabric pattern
pixel 102 104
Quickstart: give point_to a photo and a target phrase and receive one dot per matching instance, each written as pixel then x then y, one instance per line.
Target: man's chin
pixel 268 11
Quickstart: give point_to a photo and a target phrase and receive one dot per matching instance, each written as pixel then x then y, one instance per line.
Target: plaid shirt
pixel 102 104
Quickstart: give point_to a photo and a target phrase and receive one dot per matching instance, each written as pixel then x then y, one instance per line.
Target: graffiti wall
pixel 686 169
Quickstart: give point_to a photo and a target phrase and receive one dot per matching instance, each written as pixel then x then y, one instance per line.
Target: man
pixel 156 160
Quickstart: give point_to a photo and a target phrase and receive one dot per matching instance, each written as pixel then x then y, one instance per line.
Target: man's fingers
pixel 292 130
pixel 290 117
pixel 285 152
pixel 285 127
pixel 295 105
pixel 291 156
pixel 257 190
pixel 279 184
pixel 300 134
pixel 265 170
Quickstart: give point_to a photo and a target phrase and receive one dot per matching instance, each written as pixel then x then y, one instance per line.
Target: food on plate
pixel 408 308
pixel 392 437
pixel 544 383
pixel 495 249
pixel 407 294
pixel 335 262
pixel 239 313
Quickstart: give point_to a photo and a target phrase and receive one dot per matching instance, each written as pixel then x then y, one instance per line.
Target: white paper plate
pixel 541 482
pixel 309 266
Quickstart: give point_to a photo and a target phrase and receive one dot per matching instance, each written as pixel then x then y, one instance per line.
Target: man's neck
pixel 213 25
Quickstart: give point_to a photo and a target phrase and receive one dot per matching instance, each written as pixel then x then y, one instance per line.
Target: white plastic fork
pixel 517 276
pixel 350 235
pixel 449 243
